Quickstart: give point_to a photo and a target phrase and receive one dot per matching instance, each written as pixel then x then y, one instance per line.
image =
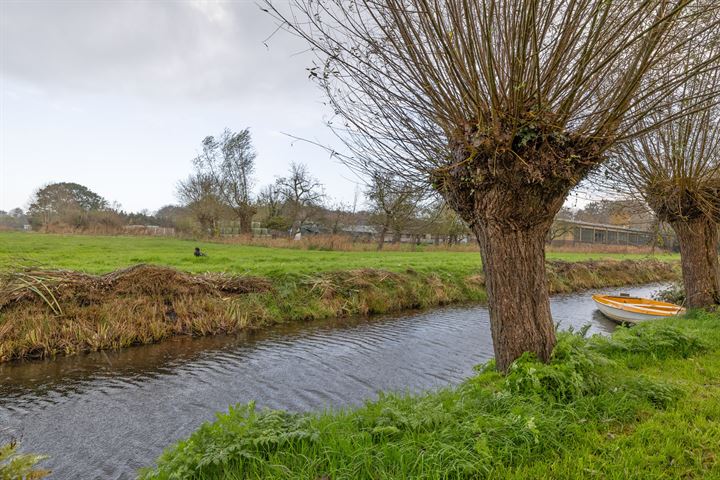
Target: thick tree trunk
pixel 699 242
pixel 245 215
pixel 517 288
pixel 381 240
pixel 245 222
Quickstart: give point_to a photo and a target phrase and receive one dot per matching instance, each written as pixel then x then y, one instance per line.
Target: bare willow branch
pixel 674 163
pixel 409 78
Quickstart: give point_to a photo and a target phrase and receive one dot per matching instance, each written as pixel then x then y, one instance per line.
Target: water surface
pixel 104 415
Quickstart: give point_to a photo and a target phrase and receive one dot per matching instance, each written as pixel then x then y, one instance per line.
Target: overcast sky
pixel 117 96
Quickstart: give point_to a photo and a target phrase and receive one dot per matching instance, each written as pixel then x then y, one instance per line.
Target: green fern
pixel 19 466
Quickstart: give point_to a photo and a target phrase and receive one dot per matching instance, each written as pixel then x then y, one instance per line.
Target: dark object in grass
pixel 198 253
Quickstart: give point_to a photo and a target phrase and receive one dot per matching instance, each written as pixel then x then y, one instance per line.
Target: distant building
pixel 360 232
pixel 152 230
pixel 427 238
pixel 566 232
pixel 311 229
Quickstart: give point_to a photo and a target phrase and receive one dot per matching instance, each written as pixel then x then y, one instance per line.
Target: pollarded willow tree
pixel 675 169
pixel 503 105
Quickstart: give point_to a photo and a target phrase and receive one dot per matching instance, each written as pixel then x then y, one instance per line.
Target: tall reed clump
pixel 491 426
pixel 673 293
pixel 343 243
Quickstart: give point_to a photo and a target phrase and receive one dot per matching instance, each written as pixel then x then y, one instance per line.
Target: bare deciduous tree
pixel 301 194
pixel 504 105
pixel 394 203
pixel 441 221
pixel 559 229
pixel 562 224
pixel 270 199
pixel 199 193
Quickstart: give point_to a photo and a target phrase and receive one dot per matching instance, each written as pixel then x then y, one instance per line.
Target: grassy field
pixel 643 404
pixel 104 254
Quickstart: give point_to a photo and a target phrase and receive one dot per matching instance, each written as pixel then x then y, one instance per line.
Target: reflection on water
pixel 106 414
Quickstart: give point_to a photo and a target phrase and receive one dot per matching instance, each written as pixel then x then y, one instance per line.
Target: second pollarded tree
pixel 675 169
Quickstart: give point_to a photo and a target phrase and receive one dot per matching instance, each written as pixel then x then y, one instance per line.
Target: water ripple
pixel 105 415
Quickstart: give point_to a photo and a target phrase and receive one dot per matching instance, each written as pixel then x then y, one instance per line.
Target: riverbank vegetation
pixel 45 312
pixel 643 403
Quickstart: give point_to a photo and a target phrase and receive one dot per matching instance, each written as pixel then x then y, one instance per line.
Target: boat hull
pixel 632 310
pixel 622 316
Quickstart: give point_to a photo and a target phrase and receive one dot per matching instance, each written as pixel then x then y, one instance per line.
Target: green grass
pixel 100 254
pixel 643 404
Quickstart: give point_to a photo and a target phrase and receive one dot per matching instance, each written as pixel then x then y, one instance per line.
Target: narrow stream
pixel 104 415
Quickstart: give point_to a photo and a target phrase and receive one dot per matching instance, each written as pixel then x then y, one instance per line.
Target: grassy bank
pixel 49 312
pixel 642 404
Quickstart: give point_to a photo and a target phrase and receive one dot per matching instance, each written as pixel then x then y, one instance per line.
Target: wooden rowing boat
pixel 632 310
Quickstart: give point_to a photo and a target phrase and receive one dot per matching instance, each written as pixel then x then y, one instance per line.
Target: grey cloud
pixel 198 49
